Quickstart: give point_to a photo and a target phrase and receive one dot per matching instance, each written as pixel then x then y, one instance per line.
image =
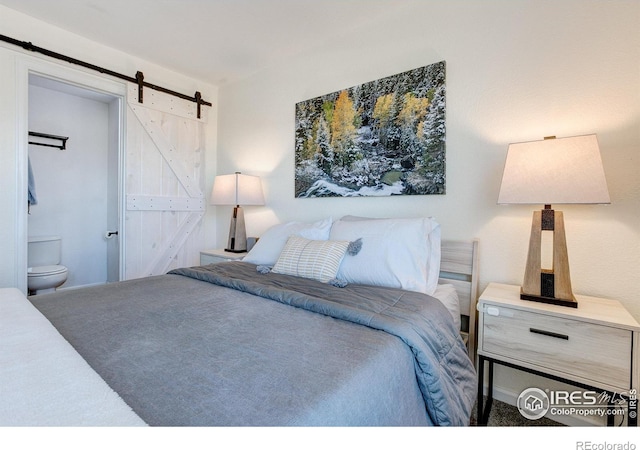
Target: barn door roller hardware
pixel 138 79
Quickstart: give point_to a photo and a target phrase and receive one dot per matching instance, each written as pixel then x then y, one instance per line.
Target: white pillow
pixel 401 253
pixel 268 248
pixel 448 296
pixel 308 258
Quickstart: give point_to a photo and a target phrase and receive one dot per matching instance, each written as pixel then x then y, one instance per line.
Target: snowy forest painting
pixel 385 137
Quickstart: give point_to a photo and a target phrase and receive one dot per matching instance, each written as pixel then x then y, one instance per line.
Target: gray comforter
pixel 183 349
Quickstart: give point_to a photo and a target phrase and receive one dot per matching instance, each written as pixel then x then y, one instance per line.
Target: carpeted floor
pixel 504 415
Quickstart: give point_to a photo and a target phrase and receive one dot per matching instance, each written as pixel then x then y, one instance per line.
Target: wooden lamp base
pixel 548 286
pixel 237 242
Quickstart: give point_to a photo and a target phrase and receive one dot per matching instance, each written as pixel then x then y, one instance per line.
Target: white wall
pixel 516 71
pixel 71 185
pixel 13 108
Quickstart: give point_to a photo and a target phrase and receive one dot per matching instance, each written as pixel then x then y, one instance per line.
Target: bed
pixel 250 343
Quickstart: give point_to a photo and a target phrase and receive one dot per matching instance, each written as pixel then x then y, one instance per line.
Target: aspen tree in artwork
pixel 381 138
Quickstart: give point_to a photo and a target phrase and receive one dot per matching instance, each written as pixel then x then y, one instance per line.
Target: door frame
pixel 25 66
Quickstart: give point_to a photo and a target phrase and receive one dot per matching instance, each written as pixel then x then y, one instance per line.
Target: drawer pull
pixel 549 333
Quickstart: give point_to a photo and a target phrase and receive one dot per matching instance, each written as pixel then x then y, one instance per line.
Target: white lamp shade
pixel 237 189
pixel 554 171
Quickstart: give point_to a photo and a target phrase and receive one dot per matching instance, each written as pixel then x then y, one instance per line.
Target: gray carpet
pixel 504 415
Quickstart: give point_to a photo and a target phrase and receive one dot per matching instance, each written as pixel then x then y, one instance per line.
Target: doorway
pixel 78 188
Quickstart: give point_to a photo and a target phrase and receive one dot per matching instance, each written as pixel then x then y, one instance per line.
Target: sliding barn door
pixel 164 184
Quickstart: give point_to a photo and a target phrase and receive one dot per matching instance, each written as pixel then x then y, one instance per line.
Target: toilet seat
pixel 41 271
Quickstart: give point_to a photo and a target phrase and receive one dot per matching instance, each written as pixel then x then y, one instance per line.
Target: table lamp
pixel 237 189
pixel 551 171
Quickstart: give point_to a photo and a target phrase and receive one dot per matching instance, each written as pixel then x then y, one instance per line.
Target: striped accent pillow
pixel 318 260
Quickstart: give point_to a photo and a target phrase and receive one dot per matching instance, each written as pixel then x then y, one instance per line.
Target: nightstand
pixel 593 346
pixel 219 255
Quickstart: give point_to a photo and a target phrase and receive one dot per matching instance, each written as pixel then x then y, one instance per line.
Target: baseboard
pixel 511 398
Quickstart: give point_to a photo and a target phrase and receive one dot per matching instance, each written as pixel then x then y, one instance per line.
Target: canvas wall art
pixel 381 138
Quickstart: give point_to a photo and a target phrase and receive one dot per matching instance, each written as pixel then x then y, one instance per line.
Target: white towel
pixel 33 200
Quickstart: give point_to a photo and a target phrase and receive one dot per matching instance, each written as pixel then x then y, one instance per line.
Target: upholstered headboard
pixel 459 267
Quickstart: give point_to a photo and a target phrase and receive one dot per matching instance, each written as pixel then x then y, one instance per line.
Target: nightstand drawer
pixel 218 255
pixel 591 351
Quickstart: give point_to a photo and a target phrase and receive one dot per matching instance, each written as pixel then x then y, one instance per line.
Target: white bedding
pixel 44 381
pixel 448 295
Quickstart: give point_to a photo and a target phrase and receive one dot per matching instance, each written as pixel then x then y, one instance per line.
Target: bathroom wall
pixel 72 185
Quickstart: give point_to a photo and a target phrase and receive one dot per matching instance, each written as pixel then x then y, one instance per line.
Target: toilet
pixel 44 273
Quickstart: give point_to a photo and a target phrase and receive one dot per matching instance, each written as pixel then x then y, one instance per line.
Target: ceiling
pixel 216 41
